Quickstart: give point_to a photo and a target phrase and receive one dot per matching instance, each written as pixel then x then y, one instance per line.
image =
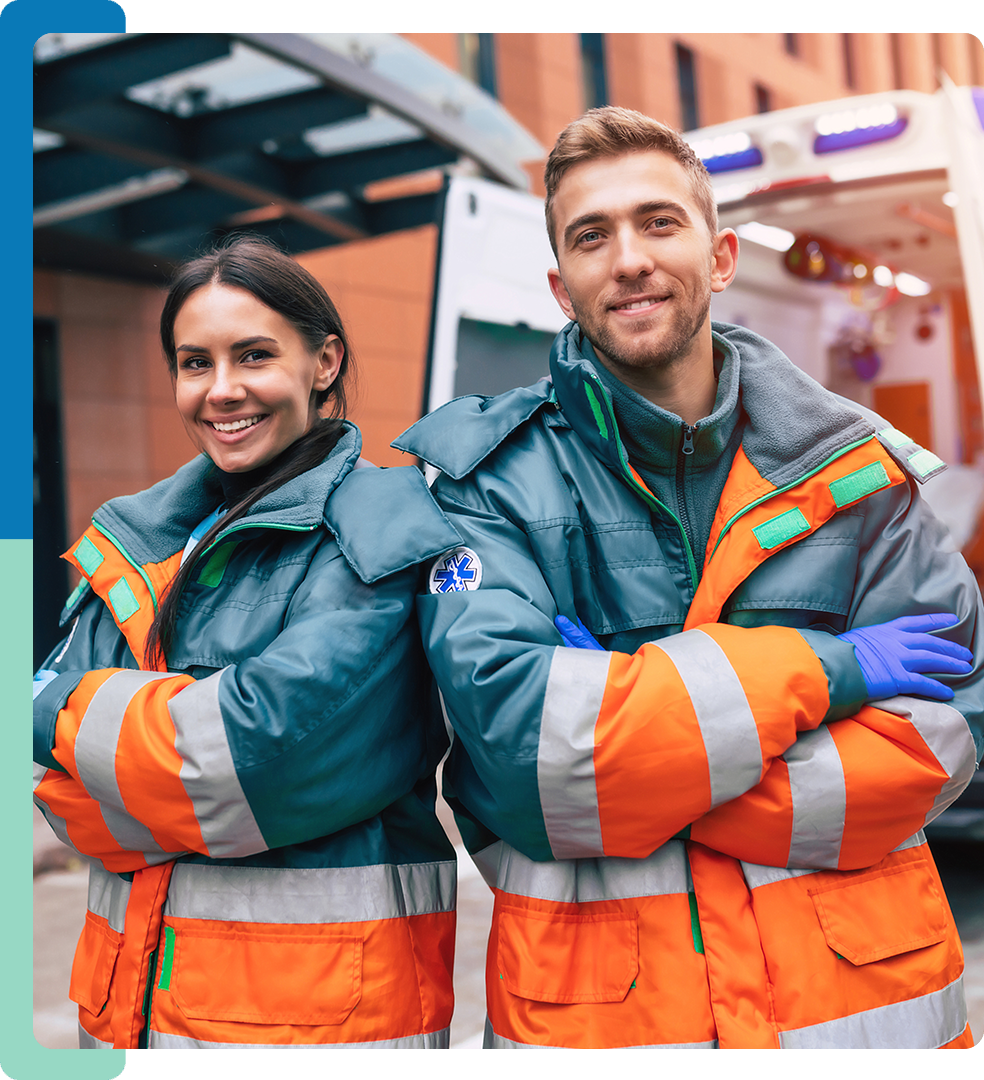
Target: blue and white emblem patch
pixel 458 572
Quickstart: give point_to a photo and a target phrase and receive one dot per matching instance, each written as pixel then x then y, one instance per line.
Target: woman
pixel 236 729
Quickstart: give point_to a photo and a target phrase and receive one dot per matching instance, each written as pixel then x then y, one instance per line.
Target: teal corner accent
pixel 123 601
pixel 89 556
pixel 770 534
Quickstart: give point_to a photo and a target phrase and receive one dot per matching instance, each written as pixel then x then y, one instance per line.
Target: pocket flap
pixel 267 978
pixel 881 914
pixel 94 963
pixel 553 956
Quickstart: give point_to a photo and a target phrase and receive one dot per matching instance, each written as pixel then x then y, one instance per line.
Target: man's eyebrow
pixel 244 343
pixel 596 217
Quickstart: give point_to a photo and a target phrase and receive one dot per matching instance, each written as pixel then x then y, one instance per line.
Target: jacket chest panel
pixel 237 612
pixel 810 581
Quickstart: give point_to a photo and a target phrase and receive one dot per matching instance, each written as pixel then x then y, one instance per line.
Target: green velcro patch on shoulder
pixel 857 484
pixel 215 568
pixel 122 600
pixel 895 437
pixel 781 528
pixel 89 557
pixel 923 462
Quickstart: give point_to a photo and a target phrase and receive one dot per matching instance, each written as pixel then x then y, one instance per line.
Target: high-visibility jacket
pixel 267 866
pixel 703 836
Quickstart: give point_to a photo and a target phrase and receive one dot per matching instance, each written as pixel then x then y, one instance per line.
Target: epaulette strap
pixel 385 520
pixel 919 463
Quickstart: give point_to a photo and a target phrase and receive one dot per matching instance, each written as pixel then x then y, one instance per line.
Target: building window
pixel 763 98
pixel 477 52
pixel 687 85
pixel 593 70
pixel 895 41
pixel 847 43
pixel 791 44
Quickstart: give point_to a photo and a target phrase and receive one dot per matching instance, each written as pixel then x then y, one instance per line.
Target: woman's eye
pixel 256 354
pixel 194 363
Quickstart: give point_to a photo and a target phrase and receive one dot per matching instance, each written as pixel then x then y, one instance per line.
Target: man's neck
pixel 686 388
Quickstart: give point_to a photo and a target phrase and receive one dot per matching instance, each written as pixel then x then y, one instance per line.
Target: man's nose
pixel 633 256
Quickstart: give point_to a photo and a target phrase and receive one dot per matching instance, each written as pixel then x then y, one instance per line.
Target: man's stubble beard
pixel 685 324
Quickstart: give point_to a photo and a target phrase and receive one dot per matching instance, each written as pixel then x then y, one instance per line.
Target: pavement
pixel 59 911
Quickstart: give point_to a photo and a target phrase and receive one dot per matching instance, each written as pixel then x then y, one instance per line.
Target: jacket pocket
pixel 568 958
pixel 94 963
pixel 251 976
pixel 881 914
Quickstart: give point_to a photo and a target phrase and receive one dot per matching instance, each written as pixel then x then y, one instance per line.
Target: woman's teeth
pixel 236 425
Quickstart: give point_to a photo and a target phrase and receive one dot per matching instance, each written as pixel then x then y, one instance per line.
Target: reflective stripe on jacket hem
pixel 90 1042
pixel 310 895
pixel 572 881
pixel 498 1042
pixel 922 1023
pixel 435 1040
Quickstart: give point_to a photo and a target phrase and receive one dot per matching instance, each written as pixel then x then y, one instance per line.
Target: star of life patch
pixel 459 571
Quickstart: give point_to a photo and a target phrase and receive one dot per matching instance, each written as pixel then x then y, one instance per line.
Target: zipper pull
pixel 688 439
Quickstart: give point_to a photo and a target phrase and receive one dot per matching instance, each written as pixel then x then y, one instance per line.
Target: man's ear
pixel 559 290
pixel 724 259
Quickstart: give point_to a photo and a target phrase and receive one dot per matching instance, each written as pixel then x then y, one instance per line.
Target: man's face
pixel 637 263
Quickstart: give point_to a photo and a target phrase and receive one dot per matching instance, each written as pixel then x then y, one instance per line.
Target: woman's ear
pixel 329 361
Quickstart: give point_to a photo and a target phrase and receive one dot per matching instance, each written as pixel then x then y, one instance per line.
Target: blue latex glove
pixel 42 677
pixel 576 637
pixel 893 655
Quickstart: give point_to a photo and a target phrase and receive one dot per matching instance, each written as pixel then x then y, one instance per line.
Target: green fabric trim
pixel 596 410
pixel 214 569
pixel 924 461
pixel 76 593
pixel 778 530
pixel 123 602
pixel 895 437
pixel 89 556
pixel 695 924
pixel 165 983
pixel 857 484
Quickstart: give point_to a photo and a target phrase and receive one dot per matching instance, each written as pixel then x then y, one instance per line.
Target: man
pixel 698 832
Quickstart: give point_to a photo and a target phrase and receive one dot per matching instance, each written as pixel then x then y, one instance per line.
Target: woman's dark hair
pixel 259 267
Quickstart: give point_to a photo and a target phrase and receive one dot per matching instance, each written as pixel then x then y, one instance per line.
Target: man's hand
pixel 893 655
pixel 576 637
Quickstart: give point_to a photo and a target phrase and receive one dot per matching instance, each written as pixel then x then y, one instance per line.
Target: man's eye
pixel 661 222
pixel 590 237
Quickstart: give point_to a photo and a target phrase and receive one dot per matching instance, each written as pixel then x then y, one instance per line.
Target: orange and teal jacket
pixel 266 865
pixel 703 836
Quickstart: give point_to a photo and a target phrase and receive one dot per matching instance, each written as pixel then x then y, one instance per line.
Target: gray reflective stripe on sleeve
pixel 756 875
pixel 309 895
pixel 108 896
pixel 947 734
pixel 923 1023
pixel 499 1042
pixel 819 795
pixel 435 1040
pixel 90 1042
pixel 208 772
pixel 913 841
pixel 570 881
pixel 565 756
pixel 727 724
pixel 59 826
pixel 131 835
pixel 487 861
pixel 99 733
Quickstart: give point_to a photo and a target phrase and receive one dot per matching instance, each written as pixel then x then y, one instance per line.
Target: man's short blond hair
pixel 612 131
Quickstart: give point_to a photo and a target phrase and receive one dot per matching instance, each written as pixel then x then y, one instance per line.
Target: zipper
pixel 686 451
pixel 641 490
pixel 780 491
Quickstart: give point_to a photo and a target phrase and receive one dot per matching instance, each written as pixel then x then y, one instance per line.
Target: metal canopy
pixel 149 145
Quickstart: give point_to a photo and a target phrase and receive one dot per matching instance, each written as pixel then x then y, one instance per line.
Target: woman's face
pixel 246 380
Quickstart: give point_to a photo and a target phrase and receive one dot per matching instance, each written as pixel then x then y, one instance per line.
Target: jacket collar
pixel 153 524
pixel 792 424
